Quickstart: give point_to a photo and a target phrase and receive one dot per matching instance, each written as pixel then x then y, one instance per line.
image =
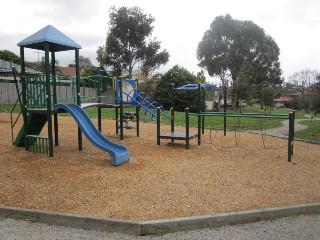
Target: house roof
pixel 66 71
pixel 6 66
pixel 57 40
pixel 283 99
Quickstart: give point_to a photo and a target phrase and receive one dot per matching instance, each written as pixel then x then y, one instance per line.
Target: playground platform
pixel 178 135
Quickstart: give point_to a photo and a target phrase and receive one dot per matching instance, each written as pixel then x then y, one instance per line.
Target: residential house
pixel 66 71
pixel 8 92
pixel 282 101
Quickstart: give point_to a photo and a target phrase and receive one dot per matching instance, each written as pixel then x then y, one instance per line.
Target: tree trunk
pixel 130 72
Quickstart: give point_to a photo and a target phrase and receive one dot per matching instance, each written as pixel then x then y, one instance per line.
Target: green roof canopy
pixel 57 40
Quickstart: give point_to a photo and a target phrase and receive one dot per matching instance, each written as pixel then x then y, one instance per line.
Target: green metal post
pixel 53 68
pixel 78 93
pixel 199 98
pixel 199 111
pixel 99 83
pixel 172 96
pixel 138 120
pixel 172 110
pixel 225 110
pixel 203 106
pixel 99 118
pixel 187 128
pixel 172 122
pixel 54 89
pixel 121 109
pixel 293 122
pixel 158 125
pixel 24 98
pixel 117 116
pixel 199 129
pixel 48 96
pixel 290 139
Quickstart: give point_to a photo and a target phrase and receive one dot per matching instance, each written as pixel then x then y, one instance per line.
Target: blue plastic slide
pixel 119 153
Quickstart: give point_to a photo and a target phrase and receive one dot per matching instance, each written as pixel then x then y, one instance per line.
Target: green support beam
pixel 48 98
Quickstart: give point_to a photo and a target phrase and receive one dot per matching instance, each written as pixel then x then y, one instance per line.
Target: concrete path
pixel 293 228
pixel 282 131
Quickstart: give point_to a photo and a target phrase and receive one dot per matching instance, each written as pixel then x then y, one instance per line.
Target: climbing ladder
pixel 35 123
pixel 35 98
pixel 150 107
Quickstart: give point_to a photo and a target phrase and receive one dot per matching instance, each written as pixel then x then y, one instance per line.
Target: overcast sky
pixel 179 25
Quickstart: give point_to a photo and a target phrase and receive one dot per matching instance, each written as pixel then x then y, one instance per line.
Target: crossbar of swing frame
pixel 276 116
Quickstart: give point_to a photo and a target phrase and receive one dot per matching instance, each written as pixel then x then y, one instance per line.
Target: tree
pixel 9 56
pixel 127 42
pixel 241 52
pixel 84 63
pixel 87 72
pixel 287 89
pixel 153 58
pixel 315 97
pixel 267 97
pixel 42 65
pixel 201 78
pixel 149 86
pixel 303 81
pixel 298 103
pixel 178 76
pixel 33 65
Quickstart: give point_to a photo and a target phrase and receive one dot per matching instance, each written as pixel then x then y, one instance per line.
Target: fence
pixel 8 92
pixel 9 95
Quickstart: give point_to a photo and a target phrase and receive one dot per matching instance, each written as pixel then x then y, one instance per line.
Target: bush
pixel 179 77
pixel 9 56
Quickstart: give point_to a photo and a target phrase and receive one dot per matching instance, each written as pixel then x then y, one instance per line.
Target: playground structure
pixel 92 96
pixel 201 107
pixel 39 93
pixel 202 114
pixel 127 118
pixel 44 96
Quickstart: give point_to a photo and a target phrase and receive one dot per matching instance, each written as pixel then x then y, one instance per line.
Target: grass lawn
pixel 312 133
pixel 8 108
pixel 216 122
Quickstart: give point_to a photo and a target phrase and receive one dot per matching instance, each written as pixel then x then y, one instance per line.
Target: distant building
pixel 6 70
pixel 66 71
pixel 8 92
pixel 136 74
pixel 282 101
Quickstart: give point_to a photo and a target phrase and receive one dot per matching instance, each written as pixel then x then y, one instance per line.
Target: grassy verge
pixel 257 109
pixel 311 133
pixel 8 108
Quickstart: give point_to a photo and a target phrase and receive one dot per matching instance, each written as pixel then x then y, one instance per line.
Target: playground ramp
pixel 119 153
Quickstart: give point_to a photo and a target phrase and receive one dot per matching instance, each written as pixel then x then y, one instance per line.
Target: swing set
pixel 237 128
pixel 201 115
